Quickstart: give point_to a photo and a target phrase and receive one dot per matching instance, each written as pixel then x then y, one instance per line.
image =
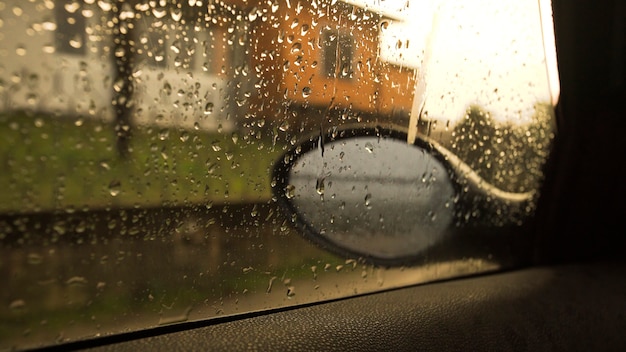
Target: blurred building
pixel 202 65
pixel 319 62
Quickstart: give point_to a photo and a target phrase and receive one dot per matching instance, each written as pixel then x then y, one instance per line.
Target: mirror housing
pixel 363 192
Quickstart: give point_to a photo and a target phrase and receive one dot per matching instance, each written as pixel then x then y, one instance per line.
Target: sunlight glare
pixel 499 55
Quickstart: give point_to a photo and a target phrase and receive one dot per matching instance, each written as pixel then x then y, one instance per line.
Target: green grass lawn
pixel 60 163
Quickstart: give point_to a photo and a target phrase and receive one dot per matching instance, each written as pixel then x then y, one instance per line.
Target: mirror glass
pixel 376 197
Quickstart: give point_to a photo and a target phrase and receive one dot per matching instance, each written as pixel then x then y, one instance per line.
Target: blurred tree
pixel 510 157
pixel 123 86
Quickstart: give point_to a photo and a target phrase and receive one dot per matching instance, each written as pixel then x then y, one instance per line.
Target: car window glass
pixel 137 140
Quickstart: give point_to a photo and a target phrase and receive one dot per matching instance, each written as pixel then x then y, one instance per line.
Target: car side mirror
pixel 365 192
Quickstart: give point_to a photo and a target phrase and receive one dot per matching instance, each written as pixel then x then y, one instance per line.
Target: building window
pixel 338 54
pixel 70 34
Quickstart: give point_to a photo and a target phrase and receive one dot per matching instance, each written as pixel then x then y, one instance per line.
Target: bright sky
pixel 486 52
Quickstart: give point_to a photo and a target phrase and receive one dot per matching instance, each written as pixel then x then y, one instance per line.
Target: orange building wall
pixel 306 65
pixel 397 85
pixel 287 57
